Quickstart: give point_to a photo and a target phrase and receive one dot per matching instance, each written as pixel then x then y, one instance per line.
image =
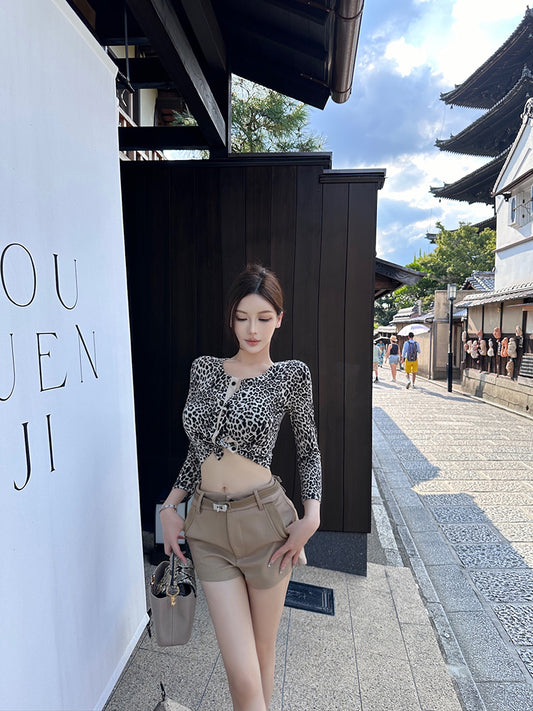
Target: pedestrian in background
pixel 411 349
pixel 393 356
pixel 375 362
pixel 381 347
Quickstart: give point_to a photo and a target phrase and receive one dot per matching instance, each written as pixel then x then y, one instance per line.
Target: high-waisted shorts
pixel 230 538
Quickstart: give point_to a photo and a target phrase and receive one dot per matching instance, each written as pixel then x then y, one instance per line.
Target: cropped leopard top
pixel 243 415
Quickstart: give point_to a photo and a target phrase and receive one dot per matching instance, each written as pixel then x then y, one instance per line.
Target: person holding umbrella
pixel 410 351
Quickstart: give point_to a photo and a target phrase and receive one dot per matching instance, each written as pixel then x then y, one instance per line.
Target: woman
pixel 243 532
pixel 393 356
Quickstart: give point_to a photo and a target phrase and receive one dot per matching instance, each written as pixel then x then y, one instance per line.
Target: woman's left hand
pixel 300 531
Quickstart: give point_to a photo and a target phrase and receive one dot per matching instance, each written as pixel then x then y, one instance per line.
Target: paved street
pixel 456 475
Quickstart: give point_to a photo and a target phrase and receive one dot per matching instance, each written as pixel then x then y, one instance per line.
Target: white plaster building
pixel 514 210
pixel 506 312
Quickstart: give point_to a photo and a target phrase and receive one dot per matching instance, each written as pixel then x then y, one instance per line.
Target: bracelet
pixel 169 506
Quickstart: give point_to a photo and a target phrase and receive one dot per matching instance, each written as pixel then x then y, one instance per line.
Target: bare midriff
pixel 233 474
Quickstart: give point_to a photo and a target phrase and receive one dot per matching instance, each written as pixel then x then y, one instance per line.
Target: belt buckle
pixel 220 507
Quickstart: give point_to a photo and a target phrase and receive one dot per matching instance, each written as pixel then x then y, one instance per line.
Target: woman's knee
pixel 245 685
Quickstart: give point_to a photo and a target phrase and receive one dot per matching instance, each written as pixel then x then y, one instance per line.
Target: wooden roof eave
pixel 303 50
pixel 495 130
pixel 390 276
pixel 479 89
pixel 194 45
pixel 500 189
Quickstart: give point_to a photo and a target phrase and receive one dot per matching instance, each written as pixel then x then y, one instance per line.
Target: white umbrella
pixel 414 328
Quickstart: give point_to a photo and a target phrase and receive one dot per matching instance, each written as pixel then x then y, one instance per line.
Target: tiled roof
pixel 517 291
pixel 498 73
pixel 493 131
pixel 410 313
pixel 480 281
pixel 476 186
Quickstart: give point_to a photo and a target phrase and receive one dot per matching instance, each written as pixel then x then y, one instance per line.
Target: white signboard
pixel 72 596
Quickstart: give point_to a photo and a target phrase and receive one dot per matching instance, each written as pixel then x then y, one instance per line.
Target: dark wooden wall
pixel 190 227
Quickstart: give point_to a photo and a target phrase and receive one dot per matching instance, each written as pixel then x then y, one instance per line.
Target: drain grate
pixel 310 597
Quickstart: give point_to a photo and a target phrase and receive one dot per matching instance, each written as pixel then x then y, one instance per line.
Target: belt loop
pixel 258 500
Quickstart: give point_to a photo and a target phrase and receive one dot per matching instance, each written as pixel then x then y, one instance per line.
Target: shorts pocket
pixel 189 519
pixel 281 514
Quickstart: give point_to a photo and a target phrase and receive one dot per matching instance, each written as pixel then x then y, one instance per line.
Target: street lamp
pixel 452 295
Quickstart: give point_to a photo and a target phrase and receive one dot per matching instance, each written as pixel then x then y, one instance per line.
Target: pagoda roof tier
pixel 476 186
pixel 493 79
pixel 490 222
pixel 493 132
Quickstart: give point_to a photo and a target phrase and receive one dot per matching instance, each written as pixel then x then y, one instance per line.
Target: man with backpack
pixel 410 352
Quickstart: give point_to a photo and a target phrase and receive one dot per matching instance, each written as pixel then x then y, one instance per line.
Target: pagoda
pixel 501 85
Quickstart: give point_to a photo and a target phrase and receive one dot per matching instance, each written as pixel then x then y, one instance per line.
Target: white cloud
pixel 405 59
pixel 406 56
pixel 406 193
pixel 475 30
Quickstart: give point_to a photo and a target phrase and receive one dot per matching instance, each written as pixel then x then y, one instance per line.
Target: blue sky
pixel 408 53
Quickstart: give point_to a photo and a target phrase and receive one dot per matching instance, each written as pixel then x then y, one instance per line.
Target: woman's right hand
pixel 172 525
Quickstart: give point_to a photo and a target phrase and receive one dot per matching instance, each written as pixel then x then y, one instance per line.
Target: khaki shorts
pixel 230 538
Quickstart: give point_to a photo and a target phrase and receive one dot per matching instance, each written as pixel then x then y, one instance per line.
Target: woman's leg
pixel 393 370
pixel 266 607
pixel 229 607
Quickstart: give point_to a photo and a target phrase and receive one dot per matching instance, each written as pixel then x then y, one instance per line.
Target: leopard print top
pixel 243 415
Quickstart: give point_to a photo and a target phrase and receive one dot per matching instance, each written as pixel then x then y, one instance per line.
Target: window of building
pixel 512 210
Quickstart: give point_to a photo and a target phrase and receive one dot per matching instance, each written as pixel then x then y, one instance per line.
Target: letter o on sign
pixel 17 269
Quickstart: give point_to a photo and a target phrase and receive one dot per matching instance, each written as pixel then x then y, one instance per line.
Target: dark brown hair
pixel 255 279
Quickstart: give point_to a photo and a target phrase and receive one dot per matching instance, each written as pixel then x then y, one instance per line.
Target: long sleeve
pixel 303 425
pixel 189 474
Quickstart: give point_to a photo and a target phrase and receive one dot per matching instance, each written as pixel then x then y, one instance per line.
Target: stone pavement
pixel 456 475
pixel 378 653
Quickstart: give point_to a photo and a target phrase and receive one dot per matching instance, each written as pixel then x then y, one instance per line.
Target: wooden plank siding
pixel 190 227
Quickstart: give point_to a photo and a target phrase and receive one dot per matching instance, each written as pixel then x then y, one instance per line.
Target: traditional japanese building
pixel 498 341
pixel 501 85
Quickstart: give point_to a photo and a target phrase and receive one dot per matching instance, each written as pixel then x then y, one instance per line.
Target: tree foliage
pixel 385 309
pixel 264 121
pixel 457 254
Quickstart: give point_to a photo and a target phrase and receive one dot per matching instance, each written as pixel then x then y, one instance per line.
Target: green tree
pixel 385 309
pixel 263 121
pixel 457 254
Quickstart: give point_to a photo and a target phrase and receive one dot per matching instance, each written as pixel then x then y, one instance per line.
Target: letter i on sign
pixel 28 454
